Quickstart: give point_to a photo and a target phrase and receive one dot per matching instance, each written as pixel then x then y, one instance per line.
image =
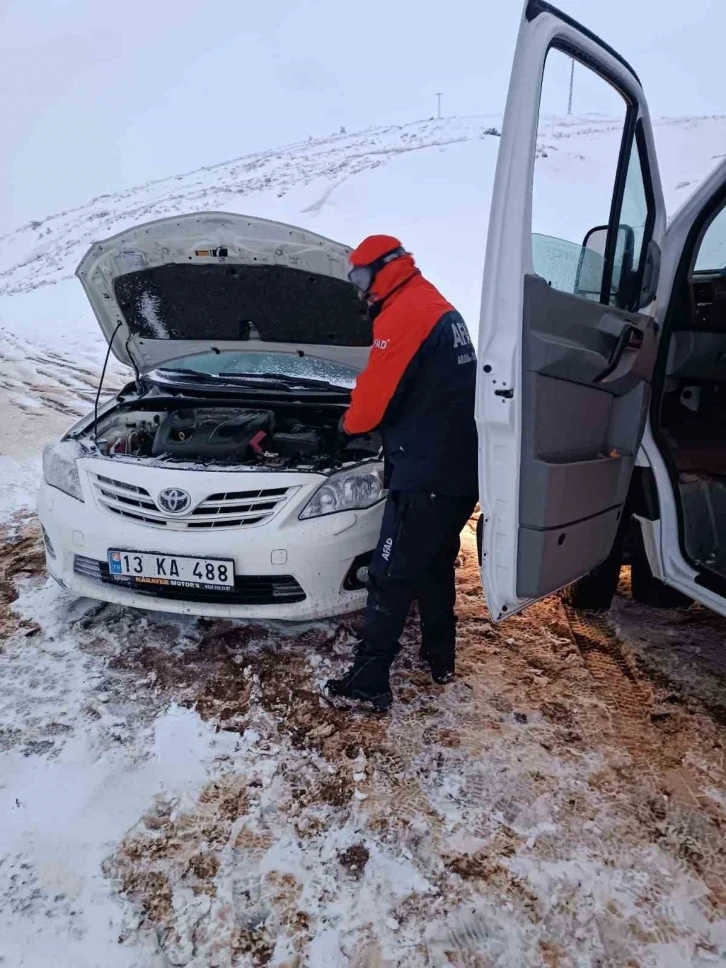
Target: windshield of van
pixel 234 363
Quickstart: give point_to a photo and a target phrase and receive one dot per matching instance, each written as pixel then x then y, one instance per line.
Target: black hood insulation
pixel 221 302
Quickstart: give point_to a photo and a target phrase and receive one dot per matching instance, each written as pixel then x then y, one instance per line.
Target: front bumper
pixel 318 555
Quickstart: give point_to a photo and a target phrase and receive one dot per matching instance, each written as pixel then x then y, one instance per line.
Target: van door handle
pixel 630 338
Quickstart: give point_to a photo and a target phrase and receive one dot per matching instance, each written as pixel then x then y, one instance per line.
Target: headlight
pixel 358 487
pixel 59 467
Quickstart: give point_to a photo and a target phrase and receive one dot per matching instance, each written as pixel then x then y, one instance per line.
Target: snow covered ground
pixel 174 791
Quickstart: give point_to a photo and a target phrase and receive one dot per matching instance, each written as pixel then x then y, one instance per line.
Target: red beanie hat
pixel 373 248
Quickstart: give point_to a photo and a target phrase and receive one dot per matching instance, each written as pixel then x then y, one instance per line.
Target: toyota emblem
pixel 173 500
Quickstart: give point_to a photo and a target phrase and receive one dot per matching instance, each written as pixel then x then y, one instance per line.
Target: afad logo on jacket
pixel 462 338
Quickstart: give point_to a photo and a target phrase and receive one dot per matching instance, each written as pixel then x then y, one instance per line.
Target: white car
pixel 217 482
pixel 602 348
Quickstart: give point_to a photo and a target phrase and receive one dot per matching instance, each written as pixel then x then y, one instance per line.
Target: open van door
pixel 566 354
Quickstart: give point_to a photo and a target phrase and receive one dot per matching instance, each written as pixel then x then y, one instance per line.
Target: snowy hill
pixel 303 182
pixel 428 182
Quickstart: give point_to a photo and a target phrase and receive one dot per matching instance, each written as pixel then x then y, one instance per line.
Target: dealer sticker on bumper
pixel 181 571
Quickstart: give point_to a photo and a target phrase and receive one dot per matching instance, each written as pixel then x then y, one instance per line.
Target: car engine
pixel 217 435
pixel 306 438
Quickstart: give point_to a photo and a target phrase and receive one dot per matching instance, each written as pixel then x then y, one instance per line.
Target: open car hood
pixel 179 286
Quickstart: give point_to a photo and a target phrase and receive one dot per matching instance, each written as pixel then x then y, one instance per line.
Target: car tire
pixel 645 588
pixel 596 590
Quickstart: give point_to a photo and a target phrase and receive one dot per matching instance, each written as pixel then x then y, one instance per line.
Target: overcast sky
pixel 96 97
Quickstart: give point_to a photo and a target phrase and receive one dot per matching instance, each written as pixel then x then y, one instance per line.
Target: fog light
pixel 357 577
pixel 48 543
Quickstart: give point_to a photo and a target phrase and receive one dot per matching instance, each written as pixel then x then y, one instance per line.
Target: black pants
pixel 415 559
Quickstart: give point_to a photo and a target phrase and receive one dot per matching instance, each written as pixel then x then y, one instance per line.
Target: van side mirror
pixel 591 267
pixel 588 281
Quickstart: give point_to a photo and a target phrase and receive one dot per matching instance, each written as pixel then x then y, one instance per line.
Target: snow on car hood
pixel 179 286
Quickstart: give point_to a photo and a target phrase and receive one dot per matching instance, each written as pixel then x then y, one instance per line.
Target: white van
pixel 602 353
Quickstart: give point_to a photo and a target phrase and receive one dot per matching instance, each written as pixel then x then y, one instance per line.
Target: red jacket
pixel 408 315
pixel 418 387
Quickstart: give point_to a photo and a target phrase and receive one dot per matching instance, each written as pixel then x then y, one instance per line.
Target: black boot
pixel 441 664
pixel 365 685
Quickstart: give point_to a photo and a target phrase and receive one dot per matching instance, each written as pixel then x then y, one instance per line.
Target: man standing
pixel 418 390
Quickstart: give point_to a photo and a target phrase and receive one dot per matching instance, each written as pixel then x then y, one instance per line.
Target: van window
pixel 712 253
pixel 587 238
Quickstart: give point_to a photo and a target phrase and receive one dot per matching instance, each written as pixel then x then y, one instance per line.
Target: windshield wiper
pixel 215 379
pixel 279 380
pixel 301 381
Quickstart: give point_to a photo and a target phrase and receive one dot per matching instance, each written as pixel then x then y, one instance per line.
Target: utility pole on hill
pixel 438 104
pixel 572 84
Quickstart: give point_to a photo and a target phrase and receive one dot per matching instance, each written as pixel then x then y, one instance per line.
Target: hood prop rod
pixel 100 383
pixel 135 365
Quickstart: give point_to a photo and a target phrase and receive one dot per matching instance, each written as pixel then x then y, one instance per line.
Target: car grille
pixel 227 509
pixel 248 589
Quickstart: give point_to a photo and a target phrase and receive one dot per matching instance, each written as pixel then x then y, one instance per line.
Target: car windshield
pixel 231 363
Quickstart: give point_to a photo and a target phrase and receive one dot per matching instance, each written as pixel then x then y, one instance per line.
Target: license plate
pixel 179 571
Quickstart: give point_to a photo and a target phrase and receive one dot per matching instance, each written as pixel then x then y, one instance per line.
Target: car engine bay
pixel 290 438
